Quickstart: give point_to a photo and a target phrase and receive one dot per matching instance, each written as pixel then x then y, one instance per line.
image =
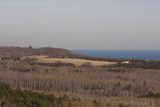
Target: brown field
pixel 76 62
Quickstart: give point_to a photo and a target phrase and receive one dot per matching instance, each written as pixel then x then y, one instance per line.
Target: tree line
pixel 28 98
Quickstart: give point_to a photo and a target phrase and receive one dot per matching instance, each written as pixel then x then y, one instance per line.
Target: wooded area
pixel 122 85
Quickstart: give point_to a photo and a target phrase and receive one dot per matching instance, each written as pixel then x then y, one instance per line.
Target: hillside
pixel 13 52
pixel 6 52
pixel 60 72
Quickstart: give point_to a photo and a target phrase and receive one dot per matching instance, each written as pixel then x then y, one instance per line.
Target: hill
pixel 120 85
pixel 13 52
pixel 6 52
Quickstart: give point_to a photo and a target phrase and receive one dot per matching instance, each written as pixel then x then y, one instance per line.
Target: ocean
pixel 129 54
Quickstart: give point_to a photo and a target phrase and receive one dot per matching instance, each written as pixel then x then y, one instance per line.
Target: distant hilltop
pixel 12 52
pixel 28 51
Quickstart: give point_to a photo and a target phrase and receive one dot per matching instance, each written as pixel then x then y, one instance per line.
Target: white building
pixel 125 62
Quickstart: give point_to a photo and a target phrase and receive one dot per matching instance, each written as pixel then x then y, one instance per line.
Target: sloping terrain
pixel 52 52
pixel 13 52
pixel 76 62
pixel 120 85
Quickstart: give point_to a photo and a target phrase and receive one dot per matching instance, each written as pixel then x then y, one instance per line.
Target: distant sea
pixel 129 54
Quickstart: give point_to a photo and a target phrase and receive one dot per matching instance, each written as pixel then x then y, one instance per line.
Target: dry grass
pixel 77 62
pixel 73 80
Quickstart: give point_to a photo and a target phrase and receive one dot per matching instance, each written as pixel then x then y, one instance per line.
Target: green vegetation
pixel 116 70
pixel 108 105
pixel 128 87
pixel 123 105
pixel 153 95
pixel 27 98
pixel 76 99
pixel 142 64
pixel 119 84
pixel 144 83
pixel 96 103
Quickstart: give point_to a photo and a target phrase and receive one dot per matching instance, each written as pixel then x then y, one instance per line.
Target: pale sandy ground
pixel 77 62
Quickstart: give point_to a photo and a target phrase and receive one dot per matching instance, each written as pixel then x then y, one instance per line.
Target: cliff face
pixel 8 52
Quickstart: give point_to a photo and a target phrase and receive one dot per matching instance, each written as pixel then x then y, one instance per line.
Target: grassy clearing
pixel 76 62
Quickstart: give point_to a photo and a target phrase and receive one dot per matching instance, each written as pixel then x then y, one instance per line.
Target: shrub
pixel 153 95
pixel 123 105
pixel 87 64
pixel 96 103
pixel 128 87
pixel 144 83
pixel 108 105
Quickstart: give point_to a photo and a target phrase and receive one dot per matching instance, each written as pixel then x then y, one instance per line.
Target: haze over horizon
pixel 81 24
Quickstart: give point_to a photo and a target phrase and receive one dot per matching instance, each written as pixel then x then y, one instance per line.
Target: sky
pixel 81 24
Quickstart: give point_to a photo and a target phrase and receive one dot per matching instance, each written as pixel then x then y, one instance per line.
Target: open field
pixel 76 62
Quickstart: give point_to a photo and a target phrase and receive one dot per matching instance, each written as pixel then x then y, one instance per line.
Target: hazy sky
pixel 81 24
